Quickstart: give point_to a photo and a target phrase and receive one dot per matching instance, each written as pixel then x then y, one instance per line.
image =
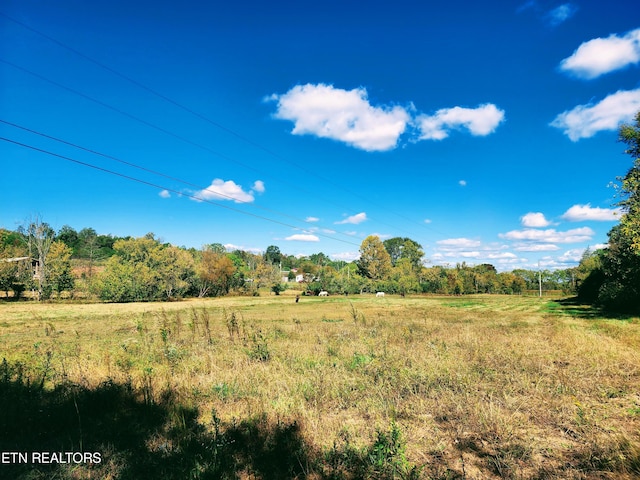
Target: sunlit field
pixel 339 387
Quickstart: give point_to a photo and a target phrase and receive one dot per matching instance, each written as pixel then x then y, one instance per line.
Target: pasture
pixel 335 387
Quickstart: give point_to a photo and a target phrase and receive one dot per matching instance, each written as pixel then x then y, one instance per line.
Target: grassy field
pixel 340 387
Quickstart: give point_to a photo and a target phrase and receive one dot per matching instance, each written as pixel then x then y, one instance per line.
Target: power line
pixel 144 182
pixel 148 170
pixel 160 129
pixel 209 121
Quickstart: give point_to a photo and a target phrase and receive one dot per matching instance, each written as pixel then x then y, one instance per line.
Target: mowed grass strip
pixel 480 386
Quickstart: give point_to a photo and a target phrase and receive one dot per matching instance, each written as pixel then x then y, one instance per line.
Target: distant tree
pixel 374 261
pixel 319 259
pixel 404 248
pixel 12 239
pixel 266 274
pixel 405 278
pixel 273 255
pixel 510 283
pixel 176 271
pixel 215 248
pixel 589 276
pixel 8 250
pixel 215 273
pixel 60 273
pixel 620 289
pixel 630 187
pixel 39 237
pixel 143 269
pixel 69 237
pixel 434 280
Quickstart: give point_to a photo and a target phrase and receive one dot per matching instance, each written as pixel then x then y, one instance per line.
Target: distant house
pixel 26 261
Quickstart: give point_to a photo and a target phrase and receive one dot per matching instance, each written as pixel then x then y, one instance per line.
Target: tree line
pixel 610 277
pixel 124 269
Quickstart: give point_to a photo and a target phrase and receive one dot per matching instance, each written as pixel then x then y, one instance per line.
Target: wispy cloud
pixel 575 235
pixel 462 183
pixel 353 219
pixel 459 243
pixel 312 219
pixel 303 237
pixel 571 256
pixel 603 55
pixel 584 121
pixel 479 121
pixel 535 220
pixel 580 213
pixel 345 256
pixel 538 247
pixel 258 186
pixel 472 250
pixel 230 247
pixel 344 115
pixel 229 190
pixel 165 194
pixel 561 14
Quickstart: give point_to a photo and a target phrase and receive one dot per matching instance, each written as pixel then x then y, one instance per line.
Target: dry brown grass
pixel 481 386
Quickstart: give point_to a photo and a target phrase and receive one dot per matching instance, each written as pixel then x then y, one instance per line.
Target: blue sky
pixel 485 131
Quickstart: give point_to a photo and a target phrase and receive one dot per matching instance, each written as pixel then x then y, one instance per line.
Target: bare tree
pixel 39 236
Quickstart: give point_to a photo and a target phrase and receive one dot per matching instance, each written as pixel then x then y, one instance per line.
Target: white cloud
pixel 462 183
pixel 427 220
pixel 303 237
pixel 603 55
pixel 581 213
pixel 572 256
pixel 230 247
pixel 561 14
pixel 540 247
pixel 381 236
pixel 464 254
pixel 258 186
pixel 576 235
pixel 584 121
pixel 459 243
pixel 353 219
pixel 221 190
pixel 345 256
pixel 312 219
pixel 534 219
pixel 344 115
pixel 165 194
pixel 479 121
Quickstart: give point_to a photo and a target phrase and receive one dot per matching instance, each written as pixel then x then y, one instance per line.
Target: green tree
pixel 69 237
pixel 620 271
pixel 215 273
pixel 630 187
pixel 273 255
pixel 589 276
pixel 143 269
pixel 405 278
pixel 374 261
pixel 60 273
pixel 404 248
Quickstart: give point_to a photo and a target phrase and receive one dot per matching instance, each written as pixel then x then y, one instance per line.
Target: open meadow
pixel 340 387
